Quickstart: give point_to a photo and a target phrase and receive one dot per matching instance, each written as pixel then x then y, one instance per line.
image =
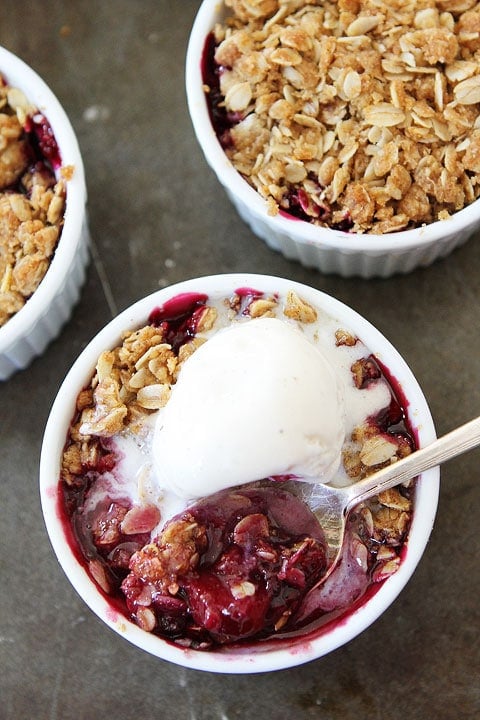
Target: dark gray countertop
pixel 157 216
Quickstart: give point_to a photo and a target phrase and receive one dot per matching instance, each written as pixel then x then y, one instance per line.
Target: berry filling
pixel 239 562
pixel 178 318
pixel 42 140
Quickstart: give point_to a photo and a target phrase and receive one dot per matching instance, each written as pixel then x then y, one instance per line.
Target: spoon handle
pixel 454 443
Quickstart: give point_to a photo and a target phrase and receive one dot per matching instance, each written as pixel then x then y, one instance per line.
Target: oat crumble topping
pixel 358 114
pixel 32 204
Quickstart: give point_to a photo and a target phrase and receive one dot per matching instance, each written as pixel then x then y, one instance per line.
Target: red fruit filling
pixel 239 564
pixel 42 140
pixel 178 318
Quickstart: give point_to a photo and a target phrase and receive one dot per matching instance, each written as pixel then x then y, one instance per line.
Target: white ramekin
pixel 29 331
pixel 260 658
pixel 330 251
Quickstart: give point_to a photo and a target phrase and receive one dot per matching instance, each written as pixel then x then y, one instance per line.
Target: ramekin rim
pixel 232 662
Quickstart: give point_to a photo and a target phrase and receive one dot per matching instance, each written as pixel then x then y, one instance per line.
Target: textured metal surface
pixel 157 215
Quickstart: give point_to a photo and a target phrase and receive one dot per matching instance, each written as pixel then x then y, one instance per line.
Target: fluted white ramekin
pixel 29 331
pixel 260 657
pixel 328 250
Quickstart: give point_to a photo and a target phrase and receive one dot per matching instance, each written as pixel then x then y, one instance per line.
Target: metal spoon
pixel 332 505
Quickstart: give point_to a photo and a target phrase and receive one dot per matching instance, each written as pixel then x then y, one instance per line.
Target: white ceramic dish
pixel 259 658
pixel 27 334
pixel 330 251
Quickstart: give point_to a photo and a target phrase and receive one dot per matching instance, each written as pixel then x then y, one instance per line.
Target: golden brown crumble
pixel 298 309
pixel 361 110
pixel 31 220
pixel 386 521
pixel 176 551
pixel 344 337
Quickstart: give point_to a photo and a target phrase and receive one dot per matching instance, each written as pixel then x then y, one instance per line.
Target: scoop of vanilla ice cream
pixel 257 399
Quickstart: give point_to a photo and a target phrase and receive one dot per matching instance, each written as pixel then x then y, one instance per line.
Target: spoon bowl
pixel 332 504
